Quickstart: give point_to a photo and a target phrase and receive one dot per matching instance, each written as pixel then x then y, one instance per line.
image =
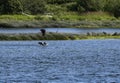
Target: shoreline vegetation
pixel 91 20
pixel 68 20
pixel 60 24
pixel 59 13
pixel 58 36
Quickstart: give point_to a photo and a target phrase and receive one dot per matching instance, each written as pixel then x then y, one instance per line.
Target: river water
pixel 60 30
pixel 77 61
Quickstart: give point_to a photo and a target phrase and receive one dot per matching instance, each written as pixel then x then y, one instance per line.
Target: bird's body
pixel 43 43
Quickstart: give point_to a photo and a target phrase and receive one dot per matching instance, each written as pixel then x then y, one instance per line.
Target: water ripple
pixel 82 61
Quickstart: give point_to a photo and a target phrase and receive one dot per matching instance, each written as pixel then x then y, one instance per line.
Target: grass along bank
pixel 58 36
pixel 63 19
pixel 61 24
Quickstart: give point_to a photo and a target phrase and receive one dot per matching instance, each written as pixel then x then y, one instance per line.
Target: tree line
pixel 111 6
pixel 22 6
pixel 39 6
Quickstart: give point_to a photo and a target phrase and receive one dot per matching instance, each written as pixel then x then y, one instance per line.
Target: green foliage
pixel 58 8
pixel 59 1
pixel 55 18
pixel 10 7
pixel 58 36
pixel 117 11
pixel 16 17
pixel 109 5
pixel 72 6
pixel 113 6
pixel 34 7
pixel 90 5
pixel 43 17
pixel 96 16
pixel 39 17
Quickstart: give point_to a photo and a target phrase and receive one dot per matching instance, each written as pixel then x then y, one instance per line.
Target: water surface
pixel 59 30
pixel 78 61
